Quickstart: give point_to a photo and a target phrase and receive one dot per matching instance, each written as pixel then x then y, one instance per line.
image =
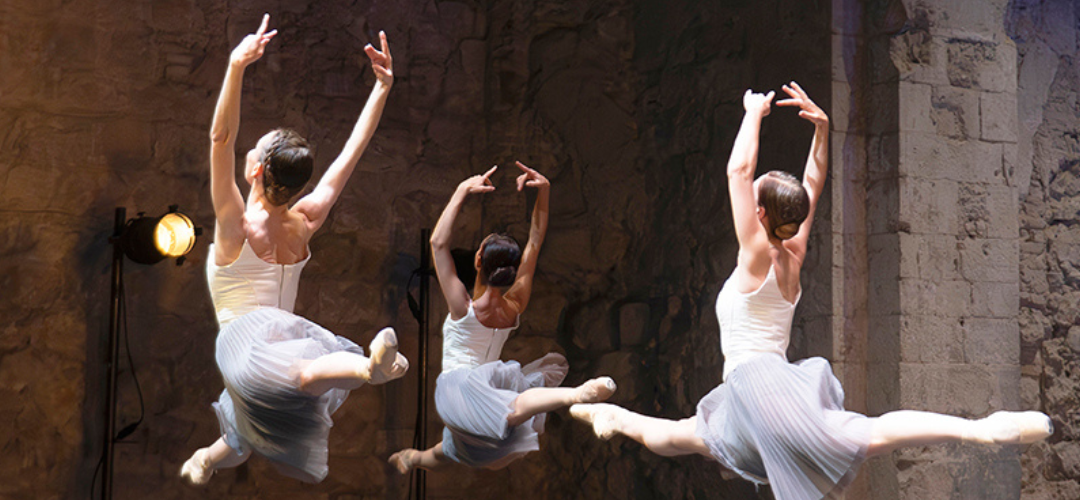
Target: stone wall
pixel 629 107
pixel 922 285
pixel 1046 174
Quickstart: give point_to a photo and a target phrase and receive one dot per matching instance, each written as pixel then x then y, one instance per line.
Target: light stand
pixel 145 240
pixel 120 222
pixel 423 318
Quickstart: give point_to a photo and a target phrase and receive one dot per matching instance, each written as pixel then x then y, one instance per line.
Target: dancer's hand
pixel 251 48
pixel 809 110
pixel 531 178
pixel 757 103
pixel 381 62
pixel 479 183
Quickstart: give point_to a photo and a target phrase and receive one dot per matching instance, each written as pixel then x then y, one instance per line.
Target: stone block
pixel 885 102
pixel 990 260
pixel 981 64
pixel 882 156
pixel 991 341
pixel 954 113
pixel 961 390
pixel 929 256
pixel 919 56
pixel 931 339
pixel 994 299
pixel 937 157
pixel 998 116
pixel 935 298
pixel 927 205
pixel 842 104
pixel 883 207
pixel 916 107
pixel 988 211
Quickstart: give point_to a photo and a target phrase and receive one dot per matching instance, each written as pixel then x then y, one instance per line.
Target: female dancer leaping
pixel 493 410
pixel 770 420
pixel 284 375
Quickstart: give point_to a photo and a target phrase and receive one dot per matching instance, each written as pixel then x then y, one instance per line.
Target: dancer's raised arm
pixel 457 296
pixel 521 290
pixel 316 205
pixel 228 202
pixel 740 172
pixel 817 162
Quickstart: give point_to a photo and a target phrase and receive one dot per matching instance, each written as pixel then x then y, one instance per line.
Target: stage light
pixel 148 240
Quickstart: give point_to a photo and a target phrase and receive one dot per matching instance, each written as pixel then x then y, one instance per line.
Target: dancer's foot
pixel 197 470
pixel 1010 427
pixel 386 362
pixel 603 417
pixel 404 460
pixel 595 390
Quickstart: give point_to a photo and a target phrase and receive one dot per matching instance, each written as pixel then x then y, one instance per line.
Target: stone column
pixel 921 152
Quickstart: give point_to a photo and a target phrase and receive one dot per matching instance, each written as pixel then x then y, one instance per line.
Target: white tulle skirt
pixel 474 404
pixel 260 356
pixel 785 424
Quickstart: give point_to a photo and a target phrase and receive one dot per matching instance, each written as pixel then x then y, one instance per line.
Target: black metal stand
pixel 113 355
pixel 420 440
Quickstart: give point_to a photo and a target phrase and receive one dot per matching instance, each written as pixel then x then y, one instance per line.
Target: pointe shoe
pixel 1011 427
pixel 603 417
pixel 403 460
pixel 386 363
pixel 595 390
pixel 196 471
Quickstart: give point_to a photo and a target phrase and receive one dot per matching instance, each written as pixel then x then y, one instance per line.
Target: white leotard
pixel 753 323
pixel 467 343
pixel 249 283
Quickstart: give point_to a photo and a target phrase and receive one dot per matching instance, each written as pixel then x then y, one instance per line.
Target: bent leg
pixel 339 370
pixel 346 370
pixel 664 437
pixel 544 399
pixel 900 429
pixel 408 459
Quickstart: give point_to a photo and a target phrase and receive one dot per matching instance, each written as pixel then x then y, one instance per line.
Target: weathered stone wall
pixel 933 131
pixel 629 107
pixel 1047 168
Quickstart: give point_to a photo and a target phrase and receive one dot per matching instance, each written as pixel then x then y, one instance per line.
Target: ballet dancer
pixel 771 421
pixel 284 375
pixel 493 410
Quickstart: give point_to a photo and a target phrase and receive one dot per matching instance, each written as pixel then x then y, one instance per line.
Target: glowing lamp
pixel 148 240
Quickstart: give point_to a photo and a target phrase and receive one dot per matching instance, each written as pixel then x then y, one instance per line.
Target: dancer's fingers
pixel 385 46
pixel 802 93
pixel 265 24
pixel 489 172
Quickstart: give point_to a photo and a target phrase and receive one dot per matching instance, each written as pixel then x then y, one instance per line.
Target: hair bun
pixel 503 276
pixel 786 231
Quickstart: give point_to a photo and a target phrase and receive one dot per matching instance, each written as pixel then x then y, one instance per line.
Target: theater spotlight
pixel 145 240
pixel 148 240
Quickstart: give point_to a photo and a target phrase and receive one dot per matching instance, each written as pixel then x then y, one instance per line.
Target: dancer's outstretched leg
pixel 408 459
pixel 901 429
pixel 664 437
pixel 346 370
pixel 544 399
pixel 198 469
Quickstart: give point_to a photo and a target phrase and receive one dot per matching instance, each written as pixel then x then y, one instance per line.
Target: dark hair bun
pixel 503 276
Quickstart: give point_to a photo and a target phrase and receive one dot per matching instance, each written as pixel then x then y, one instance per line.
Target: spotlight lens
pixel 174 235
